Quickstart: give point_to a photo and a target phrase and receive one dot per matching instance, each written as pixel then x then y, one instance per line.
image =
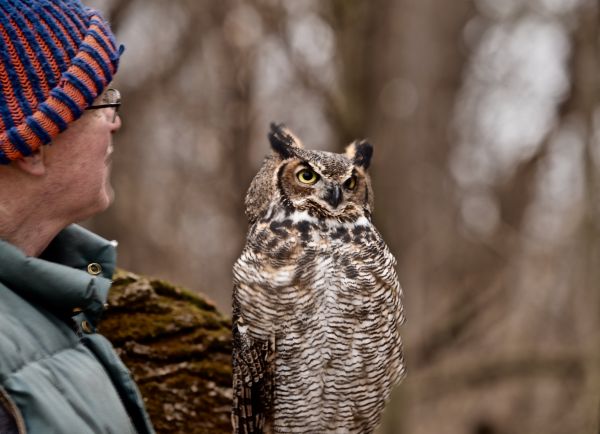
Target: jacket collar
pixel 58 280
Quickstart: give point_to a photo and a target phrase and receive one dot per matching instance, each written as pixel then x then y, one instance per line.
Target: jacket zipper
pixel 12 409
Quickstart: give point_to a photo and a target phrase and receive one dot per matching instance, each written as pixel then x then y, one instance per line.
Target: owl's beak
pixel 333 196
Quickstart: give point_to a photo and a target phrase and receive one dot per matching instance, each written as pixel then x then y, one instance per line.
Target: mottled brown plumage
pixel 316 303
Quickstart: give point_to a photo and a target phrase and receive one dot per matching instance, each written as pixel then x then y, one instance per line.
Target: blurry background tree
pixel 485 118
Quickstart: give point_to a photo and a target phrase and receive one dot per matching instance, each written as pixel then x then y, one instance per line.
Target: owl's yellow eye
pixel 350 184
pixel 307 176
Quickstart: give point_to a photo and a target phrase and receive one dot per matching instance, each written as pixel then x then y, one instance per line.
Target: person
pixel 58 115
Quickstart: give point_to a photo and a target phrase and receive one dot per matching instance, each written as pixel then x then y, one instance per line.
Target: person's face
pixel 78 163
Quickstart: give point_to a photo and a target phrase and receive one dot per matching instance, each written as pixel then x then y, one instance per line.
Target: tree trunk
pixel 178 348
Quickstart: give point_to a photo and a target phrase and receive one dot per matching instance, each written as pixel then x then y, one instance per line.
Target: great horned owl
pixel 316 300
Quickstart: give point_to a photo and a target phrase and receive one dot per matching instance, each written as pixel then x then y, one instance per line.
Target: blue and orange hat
pixel 56 57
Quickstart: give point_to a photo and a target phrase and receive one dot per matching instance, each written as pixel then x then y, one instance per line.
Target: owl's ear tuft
pixel 360 152
pixel 283 141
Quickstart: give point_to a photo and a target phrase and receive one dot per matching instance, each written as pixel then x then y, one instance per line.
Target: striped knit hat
pixel 56 57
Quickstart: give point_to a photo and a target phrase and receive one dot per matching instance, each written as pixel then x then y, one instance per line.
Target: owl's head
pixel 324 184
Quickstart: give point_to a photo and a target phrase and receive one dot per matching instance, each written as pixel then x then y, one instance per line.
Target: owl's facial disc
pixel 309 187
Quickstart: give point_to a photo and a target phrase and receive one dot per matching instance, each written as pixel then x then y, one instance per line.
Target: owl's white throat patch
pixel 303 216
pixel 299 216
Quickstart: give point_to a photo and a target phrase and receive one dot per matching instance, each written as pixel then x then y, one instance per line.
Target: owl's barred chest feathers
pixel 312 257
pixel 316 302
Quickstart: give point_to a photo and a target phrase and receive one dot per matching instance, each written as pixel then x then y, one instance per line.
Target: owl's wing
pixel 252 380
pixel 382 265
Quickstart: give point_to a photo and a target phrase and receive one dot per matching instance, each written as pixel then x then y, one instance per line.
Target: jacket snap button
pixel 94 269
pixel 86 327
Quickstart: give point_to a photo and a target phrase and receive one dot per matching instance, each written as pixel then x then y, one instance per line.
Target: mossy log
pixel 178 348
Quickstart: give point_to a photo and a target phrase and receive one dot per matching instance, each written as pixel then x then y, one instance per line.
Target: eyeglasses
pixel 110 99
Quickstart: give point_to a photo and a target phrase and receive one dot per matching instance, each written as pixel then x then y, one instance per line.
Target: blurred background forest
pixel 485 119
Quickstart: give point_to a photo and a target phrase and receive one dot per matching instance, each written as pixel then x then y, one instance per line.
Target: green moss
pixel 178 347
pixel 165 288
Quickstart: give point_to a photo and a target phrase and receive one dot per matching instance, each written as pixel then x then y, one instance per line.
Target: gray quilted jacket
pixel 57 375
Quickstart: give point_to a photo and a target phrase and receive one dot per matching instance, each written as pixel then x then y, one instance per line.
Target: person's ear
pixel 33 164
